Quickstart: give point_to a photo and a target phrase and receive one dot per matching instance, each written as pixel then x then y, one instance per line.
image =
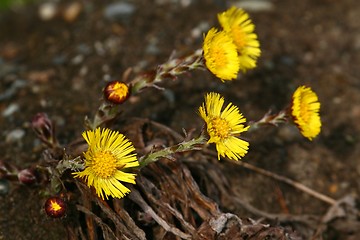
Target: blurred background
pixel 56 56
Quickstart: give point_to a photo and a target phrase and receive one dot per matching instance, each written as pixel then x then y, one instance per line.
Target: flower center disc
pixel 55 206
pixel 305 113
pixel 218 57
pixel 220 127
pixel 104 164
pixel 239 39
pixel 304 109
pixel 120 90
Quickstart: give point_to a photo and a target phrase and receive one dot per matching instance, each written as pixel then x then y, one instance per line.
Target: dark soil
pixel 60 66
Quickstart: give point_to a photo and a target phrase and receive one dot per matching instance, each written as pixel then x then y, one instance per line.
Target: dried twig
pixel 107 231
pixel 128 220
pixel 135 233
pixel 308 220
pixel 286 180
pixel 136 198
pixel 145 183
pixel 346 210
pixel 90 226
pixel 215 175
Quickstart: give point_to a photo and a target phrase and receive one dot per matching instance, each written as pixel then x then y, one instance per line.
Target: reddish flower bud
pixel 55 207
pixel 44 129
pixel 27 176
pixel 42 125
pixel 116 92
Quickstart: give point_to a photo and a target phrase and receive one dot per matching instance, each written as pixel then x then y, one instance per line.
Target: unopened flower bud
pixel 42 125
pixel 55 207
pixel 27 176
pixel 116 92
pixel 44 129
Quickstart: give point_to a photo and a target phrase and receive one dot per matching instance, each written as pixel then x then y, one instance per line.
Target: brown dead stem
pixel 215 179
pixel 288 181
pixel 174 194
pixel 165 206
pixel 122 222
pixel 124 215
pixel 136 197
pixel 106 230
pixel 90 225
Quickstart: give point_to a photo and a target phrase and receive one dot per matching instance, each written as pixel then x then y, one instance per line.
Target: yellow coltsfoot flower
pixel 108 156
pixel 237 24
pixel 305 109
pixel 223 126
pixel 220 55
pixel 116 92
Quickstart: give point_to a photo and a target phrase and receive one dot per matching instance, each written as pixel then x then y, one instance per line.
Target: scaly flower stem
pixel 105 113
pixel 270 119
pixel 193 144
pixel 168 70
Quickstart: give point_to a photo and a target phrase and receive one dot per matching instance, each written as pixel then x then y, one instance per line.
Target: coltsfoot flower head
pixel 106 160
pixel 223 126
pixel 237 24
pixel 305 109
pixel 220 55
pixel 116 92
pixel 55 207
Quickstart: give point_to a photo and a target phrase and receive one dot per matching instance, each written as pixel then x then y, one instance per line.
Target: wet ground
pixel 59 66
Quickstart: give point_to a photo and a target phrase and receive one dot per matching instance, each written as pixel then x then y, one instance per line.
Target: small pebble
pixel 152 47
pixel 10 110
pixel 105 68
pixel 4 188
pixel 15 135
pixel 13 89
pixel 72 11
pixel 107 77
pixel 59 59
pixel 83 71
pixel 47 11
pixel 185 3
pixel 255 5
pixel 83 49
pixel 99 48
pixel 77 59
pixel 42 76
pixel 78 83
pixel 119 11
pixel 200 29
